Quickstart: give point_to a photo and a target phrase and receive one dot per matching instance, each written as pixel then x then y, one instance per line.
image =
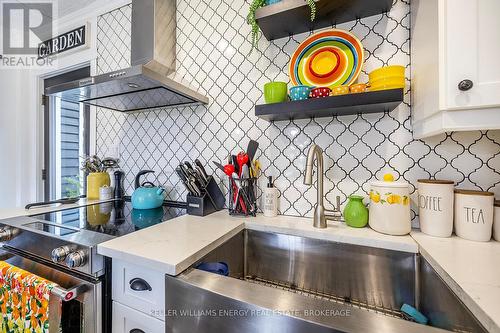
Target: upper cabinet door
pixel 472 44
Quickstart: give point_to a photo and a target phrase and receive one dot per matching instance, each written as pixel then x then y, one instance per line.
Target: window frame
pixel 49 189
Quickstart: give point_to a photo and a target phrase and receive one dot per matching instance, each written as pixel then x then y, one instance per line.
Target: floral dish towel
pixel 24 301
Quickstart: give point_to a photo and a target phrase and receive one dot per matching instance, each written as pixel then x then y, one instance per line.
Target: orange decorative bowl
pixel 358 88
pixel 340 90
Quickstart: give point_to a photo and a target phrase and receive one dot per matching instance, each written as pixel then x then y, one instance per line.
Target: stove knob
pixel 59 254
pixel 6 234
pixel 75 259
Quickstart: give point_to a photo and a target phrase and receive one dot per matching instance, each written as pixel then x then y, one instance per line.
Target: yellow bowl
pixel 389 71
pixel 340 90
pixel 387 83
pixel 385 87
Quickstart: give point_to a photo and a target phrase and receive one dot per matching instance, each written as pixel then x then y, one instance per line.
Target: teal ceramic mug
pixel 275 92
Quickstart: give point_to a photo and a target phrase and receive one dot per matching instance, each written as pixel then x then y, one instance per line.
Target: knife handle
pixel 202 168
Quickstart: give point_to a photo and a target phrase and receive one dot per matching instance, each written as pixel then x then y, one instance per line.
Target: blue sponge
pixel 414 314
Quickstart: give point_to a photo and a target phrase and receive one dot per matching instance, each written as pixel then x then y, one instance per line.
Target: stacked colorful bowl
pixel 390 77
pixel 329 58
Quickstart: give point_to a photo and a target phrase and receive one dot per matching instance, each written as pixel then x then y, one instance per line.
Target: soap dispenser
pixel 270 199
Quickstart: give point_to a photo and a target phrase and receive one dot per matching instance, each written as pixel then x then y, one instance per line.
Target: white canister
pixel 390 208
pixel 496 221
pixel 435 207
pixel 105 193
pixel 474 215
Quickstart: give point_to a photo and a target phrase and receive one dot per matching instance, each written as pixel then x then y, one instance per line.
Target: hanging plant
pixel 312 5
pixel 256 4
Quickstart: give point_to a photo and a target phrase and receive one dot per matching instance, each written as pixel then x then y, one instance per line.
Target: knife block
pixel 212 200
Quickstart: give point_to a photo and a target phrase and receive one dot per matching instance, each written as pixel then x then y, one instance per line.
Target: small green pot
pixel 275 92
pixel 356 213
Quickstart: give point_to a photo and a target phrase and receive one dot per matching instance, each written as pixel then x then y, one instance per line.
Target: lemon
pixel 375 197
pixel 388 177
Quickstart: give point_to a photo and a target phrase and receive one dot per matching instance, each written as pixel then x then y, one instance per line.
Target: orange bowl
pixel 340 90
pixel 357 88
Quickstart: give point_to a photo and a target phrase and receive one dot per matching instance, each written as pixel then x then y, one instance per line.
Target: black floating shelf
pixel 360 103
pixel 290 17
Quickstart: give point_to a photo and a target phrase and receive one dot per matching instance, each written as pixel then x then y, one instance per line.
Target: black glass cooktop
pixel 116 218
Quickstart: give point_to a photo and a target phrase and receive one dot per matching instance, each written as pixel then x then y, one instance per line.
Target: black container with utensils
pixel 211 200
pixel 243 196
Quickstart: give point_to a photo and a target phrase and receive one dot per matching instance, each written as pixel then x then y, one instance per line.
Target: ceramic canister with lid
pixel 474 215
pixel 390 207
pixel 496 221
pixel 435 207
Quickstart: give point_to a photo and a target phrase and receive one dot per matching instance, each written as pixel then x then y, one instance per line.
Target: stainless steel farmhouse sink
pixel 284 283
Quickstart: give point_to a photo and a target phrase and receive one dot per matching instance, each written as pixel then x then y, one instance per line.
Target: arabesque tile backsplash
pixel 213 55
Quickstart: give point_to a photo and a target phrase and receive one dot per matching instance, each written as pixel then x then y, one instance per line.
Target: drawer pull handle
pixel 136 330
pixel 465 85
pixel 138 284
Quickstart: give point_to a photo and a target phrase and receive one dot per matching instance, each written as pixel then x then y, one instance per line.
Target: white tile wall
pixel 213 54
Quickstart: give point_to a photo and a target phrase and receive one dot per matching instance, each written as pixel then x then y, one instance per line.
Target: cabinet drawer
pixel 139 288
pixel 127 320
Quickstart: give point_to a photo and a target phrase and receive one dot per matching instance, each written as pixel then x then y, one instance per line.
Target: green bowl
pixel 275 92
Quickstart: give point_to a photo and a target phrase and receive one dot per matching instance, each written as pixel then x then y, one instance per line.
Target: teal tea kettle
pixel 147 195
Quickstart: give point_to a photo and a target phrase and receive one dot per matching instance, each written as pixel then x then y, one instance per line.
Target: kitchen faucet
pixel 320 213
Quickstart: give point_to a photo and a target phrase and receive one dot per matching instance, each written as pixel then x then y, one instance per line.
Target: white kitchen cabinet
pixel 453 41
pixel 128 320
pixel 139 287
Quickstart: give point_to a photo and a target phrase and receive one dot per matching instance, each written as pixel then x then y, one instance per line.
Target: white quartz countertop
pixel 336 232
pixel 173 246
pixel 471 269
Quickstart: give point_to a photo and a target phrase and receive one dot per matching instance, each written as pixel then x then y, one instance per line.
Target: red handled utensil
pixel 242 159
pixel 229 169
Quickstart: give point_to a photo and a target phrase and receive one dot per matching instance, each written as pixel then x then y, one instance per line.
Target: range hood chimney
pixel 151 81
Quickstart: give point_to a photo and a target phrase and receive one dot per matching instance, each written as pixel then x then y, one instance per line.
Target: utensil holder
pixel 246 204
pixel 212 200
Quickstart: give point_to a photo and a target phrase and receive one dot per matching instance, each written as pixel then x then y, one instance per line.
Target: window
pixel 66 129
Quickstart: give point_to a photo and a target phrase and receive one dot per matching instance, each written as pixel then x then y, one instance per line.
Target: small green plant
pixel 73 189
pixel 251 20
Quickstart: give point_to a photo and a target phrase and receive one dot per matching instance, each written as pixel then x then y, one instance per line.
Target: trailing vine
pixel 312 5
pixel 256 4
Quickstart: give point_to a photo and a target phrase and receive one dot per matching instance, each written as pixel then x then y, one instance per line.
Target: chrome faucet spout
pixel 320 213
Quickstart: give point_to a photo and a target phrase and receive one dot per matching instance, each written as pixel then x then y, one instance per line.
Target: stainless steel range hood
pixel 151 81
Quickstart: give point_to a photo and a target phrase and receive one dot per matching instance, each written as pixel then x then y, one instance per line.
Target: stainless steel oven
pixel 76 303
pixel 61 246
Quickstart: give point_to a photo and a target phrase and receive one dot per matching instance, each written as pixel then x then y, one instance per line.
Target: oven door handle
pixel 68 294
